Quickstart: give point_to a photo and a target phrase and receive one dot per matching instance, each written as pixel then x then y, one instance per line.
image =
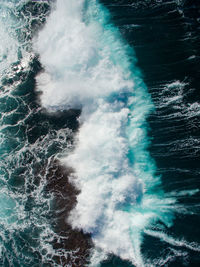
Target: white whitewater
pixel 87 65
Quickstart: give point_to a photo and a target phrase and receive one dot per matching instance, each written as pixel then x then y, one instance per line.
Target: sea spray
pixel 87 65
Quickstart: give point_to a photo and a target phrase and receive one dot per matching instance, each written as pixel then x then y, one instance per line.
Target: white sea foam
pixel 171 95
pixel 173 241
pixel 9 44
pixel 18 221
pixel 8 52
pixel 12 49
pixel 86 64
pixel 76 57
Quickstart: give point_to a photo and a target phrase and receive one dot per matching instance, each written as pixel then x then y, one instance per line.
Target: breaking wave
pixel 75 162
pixel 87 65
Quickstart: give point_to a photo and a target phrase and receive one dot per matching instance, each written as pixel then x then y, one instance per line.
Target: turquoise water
pixel 78 182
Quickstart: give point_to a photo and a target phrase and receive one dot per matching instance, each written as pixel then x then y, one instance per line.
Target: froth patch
pixel 102 168
pixel 77 60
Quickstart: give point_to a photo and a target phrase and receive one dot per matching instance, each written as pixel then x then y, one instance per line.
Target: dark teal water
pixel 165 36
pixel 36 195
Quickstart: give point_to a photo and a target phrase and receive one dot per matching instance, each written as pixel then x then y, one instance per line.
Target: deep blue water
pixel 47 169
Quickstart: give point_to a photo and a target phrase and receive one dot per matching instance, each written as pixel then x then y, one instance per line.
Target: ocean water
pixel 99 133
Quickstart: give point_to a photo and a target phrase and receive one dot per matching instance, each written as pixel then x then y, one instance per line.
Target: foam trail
pixel 87 64
pixel 175 242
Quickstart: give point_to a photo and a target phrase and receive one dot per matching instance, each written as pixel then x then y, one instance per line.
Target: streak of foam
pixel 172 255
pixel 174 242
pixel 184 193
pixel 171 95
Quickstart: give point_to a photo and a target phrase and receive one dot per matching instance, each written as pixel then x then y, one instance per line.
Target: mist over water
pixel 83 182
